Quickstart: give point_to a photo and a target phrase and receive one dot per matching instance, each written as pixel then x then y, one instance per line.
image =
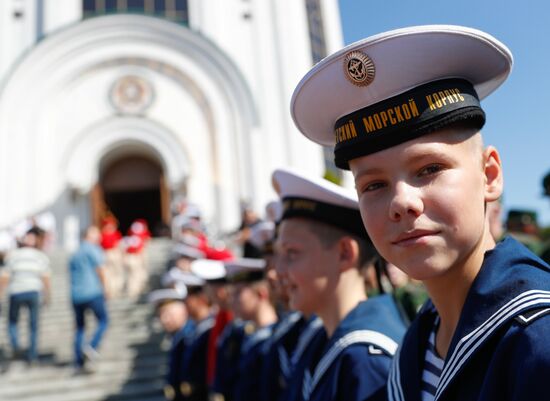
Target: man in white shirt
pixel 27 277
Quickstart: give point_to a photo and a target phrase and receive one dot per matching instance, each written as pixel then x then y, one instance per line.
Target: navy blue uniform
pixel 193 386
pixel 310 344
pixel 499 350
pixel 227 359
pixel 356 360
pixel 278 349
pixel 247 387
pixel 180 341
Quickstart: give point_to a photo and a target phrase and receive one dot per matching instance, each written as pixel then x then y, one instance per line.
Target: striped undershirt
pixel 433 366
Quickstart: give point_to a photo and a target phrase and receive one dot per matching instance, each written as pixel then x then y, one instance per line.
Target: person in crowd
pixel 88 293
pixel 249 221
pixel 278 349
pixel 193 373
pixel 407 124
pixel 114 267
pixel 171 312
pixel 252 303
pixel 183 255
pixel 27 277
pixel 135 258
pixel 184 212
pixel 323 246
pixel 217 289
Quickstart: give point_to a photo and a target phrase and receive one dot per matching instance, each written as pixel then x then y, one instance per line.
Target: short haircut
pixel 329 235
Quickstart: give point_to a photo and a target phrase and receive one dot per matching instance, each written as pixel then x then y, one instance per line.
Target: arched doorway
pixel 133 187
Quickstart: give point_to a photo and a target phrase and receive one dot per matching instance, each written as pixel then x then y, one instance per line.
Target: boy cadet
pixel 192 375
pixel 278 349
pixel 172 314
pixel 402 109
pixel 217 288
pixel 252 303
pixel 323 245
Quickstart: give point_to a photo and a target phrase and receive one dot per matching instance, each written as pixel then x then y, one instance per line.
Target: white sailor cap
pixel 318 199
pixel 188 251
pixel 176 276
pixel 245 270
pixel 398 85
pixel 212 271
pixel 193 211
pixel 163 295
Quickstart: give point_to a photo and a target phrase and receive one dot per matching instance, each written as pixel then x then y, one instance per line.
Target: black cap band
pixel 342 217
pixel 250 276
pixel 417 112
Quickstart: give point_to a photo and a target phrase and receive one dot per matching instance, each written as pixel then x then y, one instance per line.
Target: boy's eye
pixel 372 186
pixel 431 169
pixel 293 253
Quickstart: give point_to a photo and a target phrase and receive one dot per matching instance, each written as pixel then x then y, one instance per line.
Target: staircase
pixel 132 364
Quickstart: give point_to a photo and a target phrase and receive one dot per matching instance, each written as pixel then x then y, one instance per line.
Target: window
pixel 173 10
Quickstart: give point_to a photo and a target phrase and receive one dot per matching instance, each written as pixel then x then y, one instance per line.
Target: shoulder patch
pixel 530 316
pixel 373 350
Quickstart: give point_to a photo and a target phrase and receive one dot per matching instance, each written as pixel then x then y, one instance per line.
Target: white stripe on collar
pixel 395 392
pixel 306 386
pixel 284 362
pixel 255 338
pixel 285 325
pixel 355 337
pixel 204 325
pixel 472 341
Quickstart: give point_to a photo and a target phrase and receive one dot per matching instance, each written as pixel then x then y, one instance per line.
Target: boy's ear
pixel 494 179
pixel 348 253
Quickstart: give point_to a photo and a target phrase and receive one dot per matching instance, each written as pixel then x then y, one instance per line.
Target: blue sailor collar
pixel 185 332
pixel 255 338
pixel 377 314
pixel 313 326
pixel 375 322
pixel 511 281
pixel 204 325
pixel 284 325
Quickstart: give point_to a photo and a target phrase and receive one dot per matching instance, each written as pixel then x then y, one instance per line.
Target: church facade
pixel 125 105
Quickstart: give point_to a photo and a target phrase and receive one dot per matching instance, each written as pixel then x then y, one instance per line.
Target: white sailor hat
pixel 318 199
pixel 164 295
pixel 176 277
pixel 212 271
pixel 398 85
pixel 245 270
pixel 188 251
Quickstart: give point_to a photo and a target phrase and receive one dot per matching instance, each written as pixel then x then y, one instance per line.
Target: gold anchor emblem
pixel 359 68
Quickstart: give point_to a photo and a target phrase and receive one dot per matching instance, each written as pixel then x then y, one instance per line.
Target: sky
pixel 518 113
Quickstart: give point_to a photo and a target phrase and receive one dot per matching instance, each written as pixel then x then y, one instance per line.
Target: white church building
pixel 125 105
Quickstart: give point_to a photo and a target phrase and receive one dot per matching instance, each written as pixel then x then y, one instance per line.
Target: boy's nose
pixel 405 202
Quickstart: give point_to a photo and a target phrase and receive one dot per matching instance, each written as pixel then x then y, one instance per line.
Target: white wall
pixel 232 137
